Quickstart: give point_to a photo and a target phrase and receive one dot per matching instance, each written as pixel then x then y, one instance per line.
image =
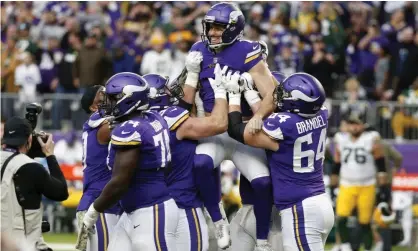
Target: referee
pixel 24 181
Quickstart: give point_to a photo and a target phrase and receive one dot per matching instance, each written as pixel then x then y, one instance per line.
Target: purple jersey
pixel 240 56
pixel 148 132
pixel 296 169
pixel 96 173
pixel 181 180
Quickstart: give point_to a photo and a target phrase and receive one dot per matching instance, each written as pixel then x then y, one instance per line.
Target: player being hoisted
pixel 223 27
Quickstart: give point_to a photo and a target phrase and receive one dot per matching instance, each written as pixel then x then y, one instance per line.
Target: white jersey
pixel 357 161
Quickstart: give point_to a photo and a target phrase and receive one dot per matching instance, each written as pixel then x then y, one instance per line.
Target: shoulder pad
pixel 339 136
pixel 95 120
pixel 126 134
pixel 374 135
pixel 175 116
pixel 271 125
pixel 252 50
pixel 197 46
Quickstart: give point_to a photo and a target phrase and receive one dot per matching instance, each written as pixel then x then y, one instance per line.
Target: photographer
pixel 24 181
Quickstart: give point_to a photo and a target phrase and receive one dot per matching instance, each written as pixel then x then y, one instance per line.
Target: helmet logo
pixel 233 17
pixel 302 96
pixel 210 18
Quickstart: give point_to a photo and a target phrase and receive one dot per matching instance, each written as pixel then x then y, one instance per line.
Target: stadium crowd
pixel 362 52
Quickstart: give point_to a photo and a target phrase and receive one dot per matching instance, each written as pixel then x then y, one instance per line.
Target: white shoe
pixel 263 245
pixel 222 234
pixel 378 246
pixel 336 247
pixel 345 247
pixel 404 243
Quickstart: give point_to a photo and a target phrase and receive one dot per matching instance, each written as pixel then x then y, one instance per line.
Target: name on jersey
pixel 310 124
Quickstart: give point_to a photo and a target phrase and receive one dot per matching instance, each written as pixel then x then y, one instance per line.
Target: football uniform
pixel 147 202
pixel 357 175
pixel 96 175
pixel 240 56
pixel 297 176
pixel 120 239
pixel 192 231
pixel 243 225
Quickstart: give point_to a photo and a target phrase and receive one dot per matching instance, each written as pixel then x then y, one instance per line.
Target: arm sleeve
pixel 32 181
pixel 236 127
pixel 54 185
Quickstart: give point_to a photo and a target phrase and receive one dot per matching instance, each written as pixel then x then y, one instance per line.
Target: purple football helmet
pixel 227 15
pixel 300 93
pixel 162 94
pixel 125 92
pixel 278 76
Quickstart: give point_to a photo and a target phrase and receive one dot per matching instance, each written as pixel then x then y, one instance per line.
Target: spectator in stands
pixel 303 18
pixel 50 59
pixel 122 60
pixel 47 28
pixel 407 60
pixel 9 61
pixel 69 150
pixel 27 77
pixel 381 72
pixel 182 41
pixel 92 66
pixel 25 43
pixel 407 117
pixel 353 94
pixel 287 60
pixel 157 60
pixel 320 63
pixel 367 58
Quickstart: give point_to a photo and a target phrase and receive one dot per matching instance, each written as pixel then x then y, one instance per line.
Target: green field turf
pixel 71 239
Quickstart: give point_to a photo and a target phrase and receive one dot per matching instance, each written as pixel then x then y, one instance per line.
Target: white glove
pixel 246 81
pixel 231 82
pixel 252 97
pixel 193 61
pixel 90 218
pixel 217 83
pixel 86 221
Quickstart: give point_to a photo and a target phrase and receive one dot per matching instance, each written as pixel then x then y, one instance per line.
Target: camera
pixel 46 227
pixel 32 112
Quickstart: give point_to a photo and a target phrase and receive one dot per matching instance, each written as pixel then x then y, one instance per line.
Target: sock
pixel 366 232
pixel 262 205
pixel 207 185
pixel 343 229
pixel 406 222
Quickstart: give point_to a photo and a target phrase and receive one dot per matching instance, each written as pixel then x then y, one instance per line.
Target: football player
pixel 139 156
pixel 192 231
pixel 96 138
pixel 243 231
pixel 358 157
pixel 294 139
pixel 223 27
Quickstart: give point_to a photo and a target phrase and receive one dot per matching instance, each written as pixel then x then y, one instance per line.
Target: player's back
pixel 148 132
pixel 357 161
pixel 181 180
pixel 297 167
pixel 96 173
pixel 240 56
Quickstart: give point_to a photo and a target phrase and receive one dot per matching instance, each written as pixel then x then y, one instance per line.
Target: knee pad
pixel 261 184
pixel 203 163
